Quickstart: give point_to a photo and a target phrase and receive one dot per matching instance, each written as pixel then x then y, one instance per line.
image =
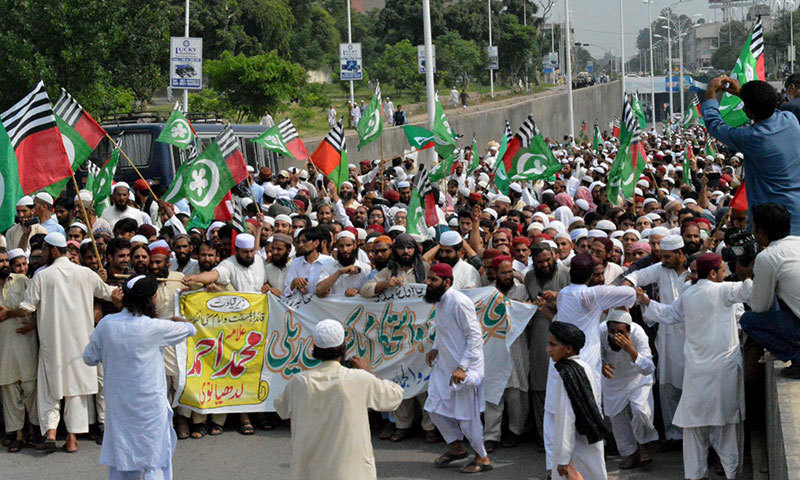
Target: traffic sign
pixel 421 58
pixel 492 53
pixel 350 61
pixel 186 63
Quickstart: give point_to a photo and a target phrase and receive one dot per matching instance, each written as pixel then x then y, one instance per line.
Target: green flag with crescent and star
pixel 9 181
pixel 100 179
pixel 272 140
pixel 443 136
pixel 177 131
pixel 208 179
pixel 370 125
pixel 418 137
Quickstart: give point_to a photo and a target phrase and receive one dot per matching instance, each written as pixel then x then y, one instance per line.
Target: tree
pixel 582 58
pixel 402 20
pixel 457 59
pixel 255 84
pixel 315 43
pixel 518 45
pixel 398 67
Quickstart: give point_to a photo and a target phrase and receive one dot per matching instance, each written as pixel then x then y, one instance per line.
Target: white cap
pixel 502 198
pixel 328 334
pixel 44 197
pixel 404 184
pixel 450 238
pixel 535 226
pixel 578 233
pixel 245 240
pixel 283 218
pixel 649 201
pixel 619 316
pixel 663 231
pixel 616 234
pixel 25 201
pixel 689 200
pixel 362 234
pixel 490 212
pixel 618 244
pixel 653 216
pixel 346 234
pixel 634 232
pixel 246 202
pixel 595 233
pixel 120 184
pixel 397 228
pixel 56 239
pixel 250 169
pixel 158 243
pixel 79 225
pixel 516 187
pixel 671 242
pixel 269 221
pixel 270 190
pixel 606 225
pixel 136 239
pixel 15 252
pixel 84 195
pixel 453 222
pixel 582 204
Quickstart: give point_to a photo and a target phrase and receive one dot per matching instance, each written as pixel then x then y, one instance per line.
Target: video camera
pixel 740 247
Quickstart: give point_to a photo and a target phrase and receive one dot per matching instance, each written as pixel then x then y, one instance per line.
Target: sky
pixel 597 21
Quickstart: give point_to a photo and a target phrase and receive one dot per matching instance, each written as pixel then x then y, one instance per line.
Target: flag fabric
pixel 422 207
pixel 418 137
pixel 12 191
pixel 749 66
pixel 631 158
pixel 370 125
pixel 687 165
pixel 177 131
pixel 501 178
pixel 710 149
pixel 443 136
pixel 272 140
pixel 38 146
pixel 739 201
pixel 445 166
pixel 637 109
pixel 692 115
pixel 528 157
pixel 330 156
pixel 215 171
pixel 597 141
pixel 177 189
pixel 615 130
pixel 292 140
pixel 475 158
pixel 100 179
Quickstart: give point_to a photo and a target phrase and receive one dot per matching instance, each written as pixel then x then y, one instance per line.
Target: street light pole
pixel 491 72
pixel 652 67
pixel 669 75
pixel 622 46
pixel 186 34
pixel 350 40
pixel 680 72
pixel 426 27
pixel 568 61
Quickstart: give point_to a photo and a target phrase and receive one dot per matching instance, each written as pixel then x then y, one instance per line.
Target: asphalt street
pixel 266 456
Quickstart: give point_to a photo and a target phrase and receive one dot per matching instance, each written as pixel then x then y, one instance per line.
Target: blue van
pixel 158 161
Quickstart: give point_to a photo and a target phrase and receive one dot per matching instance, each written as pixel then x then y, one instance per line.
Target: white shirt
pixel 276 277
pixel 612 271
pixel 459 341
pixel 465 276
pixel 18 353
pixel 355 280
pixel 138 426
pixel 243 279
pixel 777 272
pixel 629 377
pixel 191 267
pixel 713 383
pixel 112 215
pixel 670 337
pixel 302 269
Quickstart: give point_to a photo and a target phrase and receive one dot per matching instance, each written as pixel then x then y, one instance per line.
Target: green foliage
pixel 255 84
pixel 516 45
pixel 458 59
pixel 402 20
pixel 725 57
pixel 315 42
pixel 209 100
pixel 313 95
pixel 303 116
pixel 398 67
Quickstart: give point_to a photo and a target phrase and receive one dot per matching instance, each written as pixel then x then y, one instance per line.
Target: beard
pixel 433 295
pixel 691 248
pixel 405 262
pixel 281 262
pixel 613 344
pixel 380 263
pixel 244 262
pixel 205 266
pixel 346 196
pixel 5 272
pixel 140 268
pixel 121 208
pixel 505 285
pixel 543 276
pixel 163 273
pixel 347 260
pixel 450 261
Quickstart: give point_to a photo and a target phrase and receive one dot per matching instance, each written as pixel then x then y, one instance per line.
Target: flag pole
pixel 86 218
pixel 116 145
pixel 383 184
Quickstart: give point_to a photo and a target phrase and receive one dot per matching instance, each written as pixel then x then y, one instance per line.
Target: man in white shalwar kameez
pixel 455 388
pixel 515 396
pixel 139 440
pixel 328 409
pixel 670 276
pixel 62 295
pixel 711 410
pixel 464 274
pixel 628 387
pixel 581 305
pixel 578 428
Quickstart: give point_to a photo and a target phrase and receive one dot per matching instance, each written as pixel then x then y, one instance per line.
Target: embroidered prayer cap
pixel 328 334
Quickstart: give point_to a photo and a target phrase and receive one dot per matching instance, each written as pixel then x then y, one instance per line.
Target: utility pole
pixel 350 40
pixel 622 46
pixel 569 71
pixel 426 27
pixel 186 34
pixel 491 72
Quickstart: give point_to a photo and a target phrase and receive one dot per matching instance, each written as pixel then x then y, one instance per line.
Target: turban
pixel 384 239
pixel 376 228
pixel 140 287
pixel 496 261
pixel 688 224
pixel 706 263
pixel 159 251
pixel 568 334
pixel 524 240
pixel 490 253
pixel 642 245
pixel 581 265
pixel 147 230
pixel 443 270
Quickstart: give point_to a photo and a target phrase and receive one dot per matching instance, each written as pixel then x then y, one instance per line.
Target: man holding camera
pixel 773 321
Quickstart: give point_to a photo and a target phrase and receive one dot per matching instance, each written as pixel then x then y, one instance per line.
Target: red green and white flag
pixel 688 156
pixel 292 140
pixel 272 140
pixel 749 66
pixel 100 179
pixel 615 130
pixel 631 158
pixel 692 115
pixel 422 211
pixel 501 177
pixel 528 157
pixel 418 137
pixel 474 157
pixel 330 157
pixel 37 143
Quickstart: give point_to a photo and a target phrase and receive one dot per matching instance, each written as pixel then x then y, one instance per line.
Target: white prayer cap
pixel 85 241
pixel 739 154
pixel 136 239
pixel 362 234
pixel 450 238
pixel 606 225
pixel 56 239
pixel 304 174
pixel 542 218
pixel 709 158
pixel 653 216
pixel 79 225
pixel 502 198
pixel 716 193
pixel 643 183
pixel 688 201
pixel 619 316
pixel 84 195
pixel 15 252
pixel 328 334
pixel 634 232
pixel 404 184
pixel 578 233
pixel 582 204
pixel 346 234
pixel 245 241
pixel 638 191
pixel 270 190
pixel 246 202
pixel 646 232
pixel 616 234
pixel 119 185
pixel 44 197
pixel 464 191
pixel 595 233
pixel 649 200
pixel 618 244
pixel 397 228
pixel 575 220
pixel 671 242
pixel 250 169
pixel 550 244
pixel 587 178
pixel 371 240
pixel 270 221
pixel 678 168
pixel 483 184
pixel 535 226
pixel 157 244
pixel 453 222
pixel 25 201
pixel 662 231
pixel 557 225
pixel 283 218
pixel 669 180
pixel 563 235
pixel 490 212
pixel 516 187
pixel 676 231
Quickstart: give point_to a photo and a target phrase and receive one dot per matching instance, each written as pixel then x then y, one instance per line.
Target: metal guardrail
pixel 128 118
